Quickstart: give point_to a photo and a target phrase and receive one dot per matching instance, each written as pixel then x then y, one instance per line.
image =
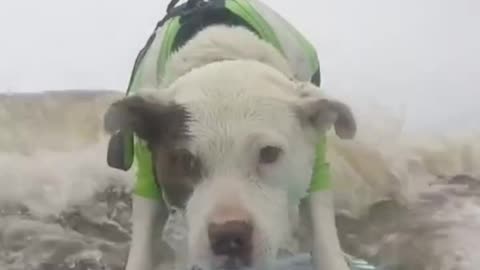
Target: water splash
pixel 61 207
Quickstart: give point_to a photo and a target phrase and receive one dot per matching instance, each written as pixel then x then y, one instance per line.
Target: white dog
pixel 233 140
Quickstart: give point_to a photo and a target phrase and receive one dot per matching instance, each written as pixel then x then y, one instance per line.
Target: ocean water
pixel 402 201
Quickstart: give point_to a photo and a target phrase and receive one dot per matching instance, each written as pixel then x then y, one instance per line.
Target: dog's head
pixel 233 144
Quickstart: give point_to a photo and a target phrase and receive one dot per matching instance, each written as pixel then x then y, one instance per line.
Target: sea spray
pixel 401 200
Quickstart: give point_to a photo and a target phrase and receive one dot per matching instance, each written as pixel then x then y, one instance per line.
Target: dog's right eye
pixel 269 154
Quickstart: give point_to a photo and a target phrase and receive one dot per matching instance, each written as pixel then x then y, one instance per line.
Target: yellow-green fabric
pixel 243 9
pixel 169 37
pixel 321 172
pixel 146 185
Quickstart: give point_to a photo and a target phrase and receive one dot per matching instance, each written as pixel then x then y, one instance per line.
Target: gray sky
pixel 419 53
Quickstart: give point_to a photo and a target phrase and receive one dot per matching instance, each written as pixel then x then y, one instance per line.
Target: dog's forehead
pixel 240 114
pixel 227 123
pixel 233 79
pixel 230 101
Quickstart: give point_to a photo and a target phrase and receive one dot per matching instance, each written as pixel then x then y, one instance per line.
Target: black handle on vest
pixel 171 5
pixel 189 4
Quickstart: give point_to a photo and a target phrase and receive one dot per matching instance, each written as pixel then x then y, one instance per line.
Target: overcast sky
pixel 422 53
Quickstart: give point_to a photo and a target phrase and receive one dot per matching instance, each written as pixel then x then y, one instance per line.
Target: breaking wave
pixel 401 201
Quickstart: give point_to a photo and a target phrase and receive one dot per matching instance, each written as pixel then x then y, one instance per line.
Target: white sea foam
pixel 53 168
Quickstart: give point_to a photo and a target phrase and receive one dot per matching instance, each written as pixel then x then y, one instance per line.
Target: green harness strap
pixel 244 10
pixel 321 170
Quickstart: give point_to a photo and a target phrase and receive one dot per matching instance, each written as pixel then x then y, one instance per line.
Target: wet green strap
pixel 171 31
pixel 309 50
pixel 243 9
pixel 145 185
pixel 321 173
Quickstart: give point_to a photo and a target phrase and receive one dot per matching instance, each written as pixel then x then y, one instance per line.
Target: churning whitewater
pixel 403 202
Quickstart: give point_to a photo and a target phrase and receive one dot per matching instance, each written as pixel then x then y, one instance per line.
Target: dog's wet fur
pixel 233 135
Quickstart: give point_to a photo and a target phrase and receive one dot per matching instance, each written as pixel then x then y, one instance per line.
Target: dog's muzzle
pixel 231 243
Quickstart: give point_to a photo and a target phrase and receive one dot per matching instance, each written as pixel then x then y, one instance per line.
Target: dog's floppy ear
pixel 323 113
pixel 148 118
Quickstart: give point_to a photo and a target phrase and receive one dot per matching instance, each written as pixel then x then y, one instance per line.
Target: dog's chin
pixel 223 263
pixel 227 266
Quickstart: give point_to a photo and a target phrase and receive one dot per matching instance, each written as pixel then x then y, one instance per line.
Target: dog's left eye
pixel 269 154
pixel 188 163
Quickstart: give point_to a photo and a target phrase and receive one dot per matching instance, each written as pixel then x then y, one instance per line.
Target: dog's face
pixel 233 145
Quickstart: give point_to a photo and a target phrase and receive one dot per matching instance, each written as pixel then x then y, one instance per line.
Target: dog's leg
pixel 148 218
pixel 326 251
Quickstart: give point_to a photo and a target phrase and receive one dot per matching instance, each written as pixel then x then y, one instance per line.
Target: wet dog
pixel 233 138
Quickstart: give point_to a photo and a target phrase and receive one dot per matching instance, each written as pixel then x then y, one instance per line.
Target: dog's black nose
pixel 232 239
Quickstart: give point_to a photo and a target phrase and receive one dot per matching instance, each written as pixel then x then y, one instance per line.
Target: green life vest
pixel 179 25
